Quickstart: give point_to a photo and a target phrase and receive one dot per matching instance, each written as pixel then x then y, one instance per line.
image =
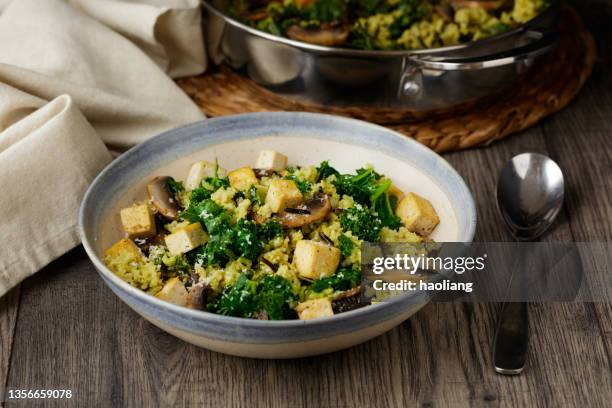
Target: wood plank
pixel 9 308
pixel 580 140
pixel 66 333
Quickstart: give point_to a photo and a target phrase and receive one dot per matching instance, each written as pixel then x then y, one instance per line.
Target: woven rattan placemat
pixel 545 90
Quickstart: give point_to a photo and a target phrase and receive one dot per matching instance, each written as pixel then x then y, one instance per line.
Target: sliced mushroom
pixel 197 296
pixel 193 280
pixel 325 34
pixel 259 220
pixel 257 15
pixel 311 211
pixel 489 5
pixel 349 300
pixel 162 200
pixel 146 244
pixel 445 11
pixel 261 315
pixel 259 173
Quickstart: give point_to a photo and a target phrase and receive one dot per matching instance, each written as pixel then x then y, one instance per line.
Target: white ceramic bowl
pixel 307 139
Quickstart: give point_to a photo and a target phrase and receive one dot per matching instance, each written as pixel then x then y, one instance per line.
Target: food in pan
pixel 385 24
pixel 265 242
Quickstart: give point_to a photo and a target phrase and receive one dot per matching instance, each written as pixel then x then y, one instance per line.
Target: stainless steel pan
pixel 421 79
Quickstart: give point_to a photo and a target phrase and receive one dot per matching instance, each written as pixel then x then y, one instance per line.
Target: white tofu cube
pixel 242 178
pixel 282 194
pixel 396 192
pixel 138 221
pixel 124 246
pixel 186 239
pixel 271 160
pixel 315 260
pixel 174 292
pixel 313 309
pixel 199 171
pixel 417 214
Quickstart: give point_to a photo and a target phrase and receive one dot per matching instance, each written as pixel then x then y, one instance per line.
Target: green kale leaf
pixel 346 245
pixel 175 187
pixel 411 11
pixel 360 186
pixel 275 296
pixel 344 279
pixel 325 10
pixel 239 300
pixel 303 185
pixel 325 170
pixel 361 221
pixel 270 230
pixel 253 195
pixel 383 204
pixel 375 206
pixel 217 251
pixel 246 241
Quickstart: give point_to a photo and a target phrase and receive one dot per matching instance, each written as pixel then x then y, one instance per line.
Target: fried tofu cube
pixel 417 214
pixel 186 239
pixel 396 192
pixel 138 221
pixel 315 260
pixel 271 160
pixel 121 247
pixel 313 309
pixel 282 194
pixel 201 170
pixel 242 178
pixel 174 292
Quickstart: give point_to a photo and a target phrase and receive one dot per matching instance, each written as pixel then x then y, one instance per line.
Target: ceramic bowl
pixel 307 139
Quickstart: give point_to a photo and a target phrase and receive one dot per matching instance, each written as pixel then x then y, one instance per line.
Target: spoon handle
pixel 511 339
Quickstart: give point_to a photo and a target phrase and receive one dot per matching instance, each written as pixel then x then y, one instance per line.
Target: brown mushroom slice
pixel 257 15
pixel 488 5
pixel 259 173
pixel 326 35
pixel 311 211
pixel 197 296
pixel 145 244
pixel 162 200
pixel 348 300
pixel 303 3
pixel 259 219
pixel 261 315
pixel 445 11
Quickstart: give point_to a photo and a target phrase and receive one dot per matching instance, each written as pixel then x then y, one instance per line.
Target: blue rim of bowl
pixel 198 315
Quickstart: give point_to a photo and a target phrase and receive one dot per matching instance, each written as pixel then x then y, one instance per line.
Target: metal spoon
pixel 530 192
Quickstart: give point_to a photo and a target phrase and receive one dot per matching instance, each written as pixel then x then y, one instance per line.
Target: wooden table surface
pixel 63 328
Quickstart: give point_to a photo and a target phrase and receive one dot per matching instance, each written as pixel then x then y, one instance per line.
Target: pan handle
pixel 541 43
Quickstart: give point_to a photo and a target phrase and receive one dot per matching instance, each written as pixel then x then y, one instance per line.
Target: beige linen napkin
pixel 49 48
pixel 74 75
pixel 40 201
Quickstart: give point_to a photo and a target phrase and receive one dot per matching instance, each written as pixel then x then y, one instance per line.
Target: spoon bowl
pixel 530 193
